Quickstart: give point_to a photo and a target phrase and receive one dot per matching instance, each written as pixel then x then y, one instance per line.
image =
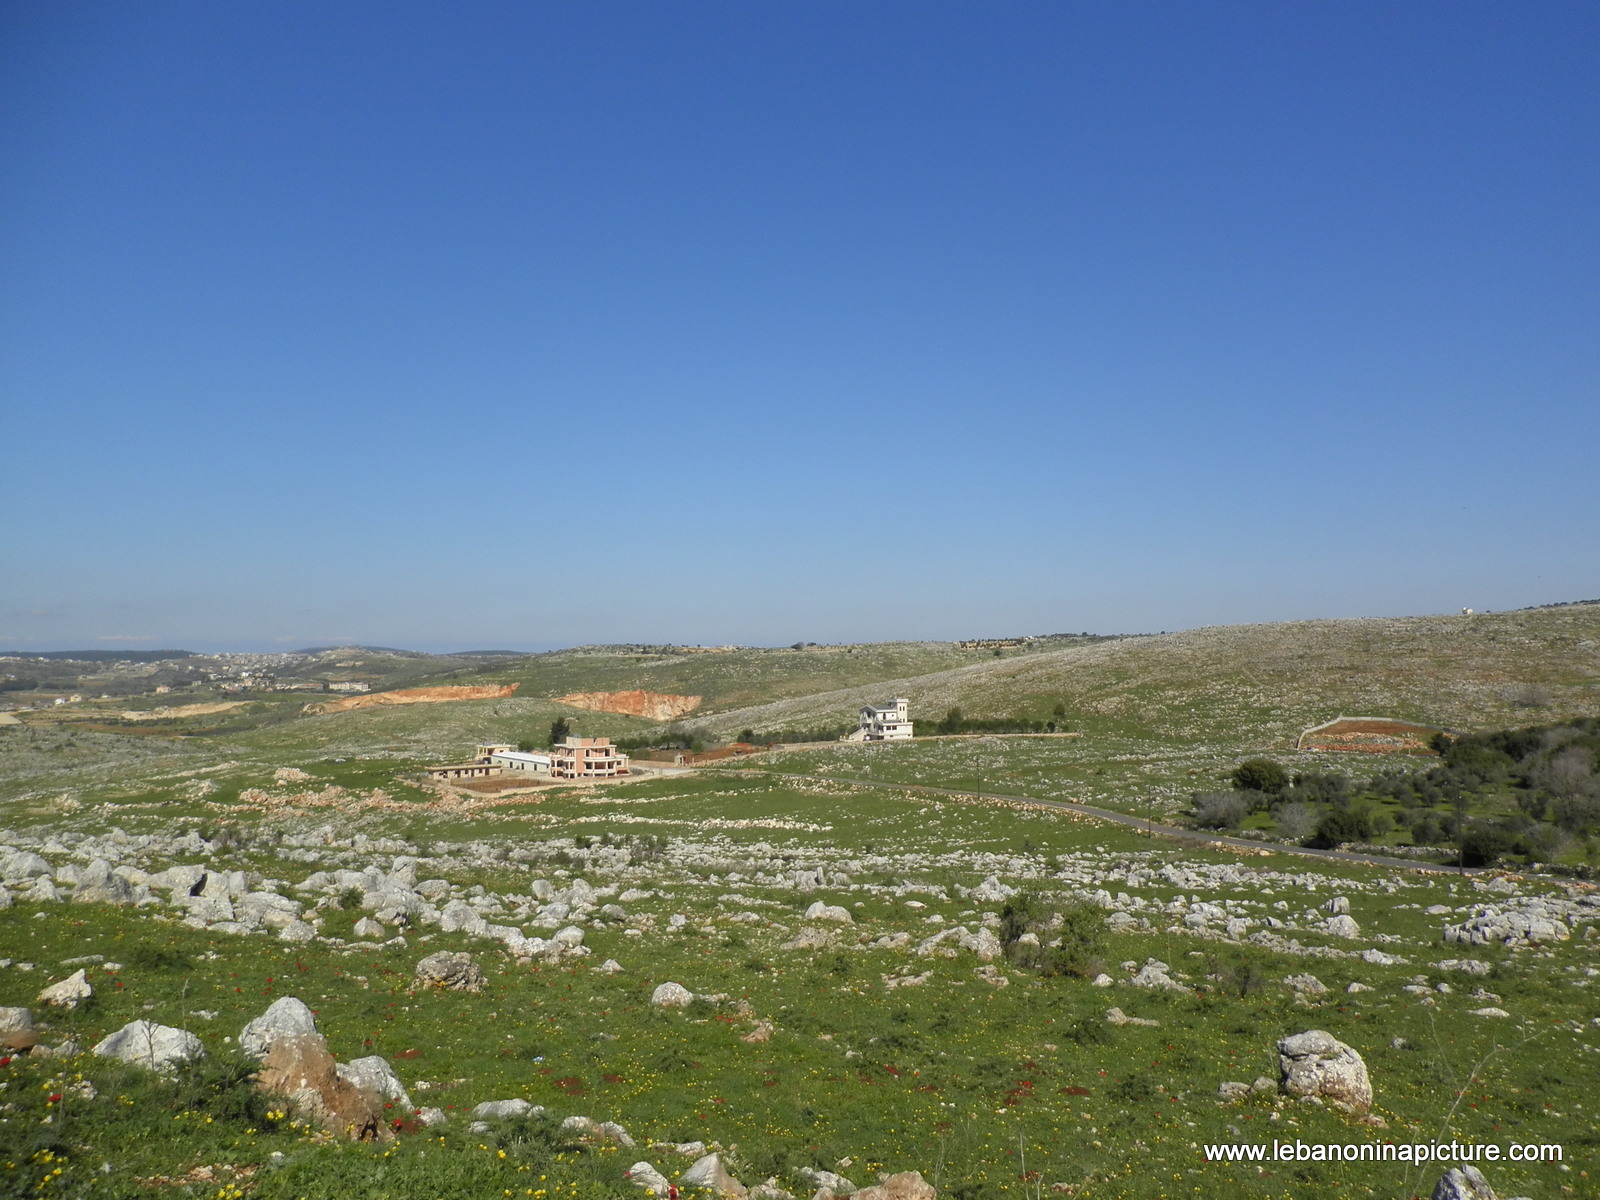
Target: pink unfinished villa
pixel 576 758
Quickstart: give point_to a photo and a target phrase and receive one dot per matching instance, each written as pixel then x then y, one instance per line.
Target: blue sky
pixel 522 325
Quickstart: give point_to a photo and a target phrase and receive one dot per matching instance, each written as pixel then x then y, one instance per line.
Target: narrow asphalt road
pixel 1132 822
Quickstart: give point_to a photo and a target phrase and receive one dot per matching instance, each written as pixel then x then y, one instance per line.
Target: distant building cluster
pixel 574 758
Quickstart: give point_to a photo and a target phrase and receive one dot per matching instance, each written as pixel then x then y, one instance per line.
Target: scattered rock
pixel 837 1184
pixel 1307 985
pixel 1315 1063
pixel 1489 1012
pixel 300 1069
pixel 907 1185
pixel 1463 1183
pixel 671 995
pixel 376 1075
pixel 605 1131
pixel 810 939
pixel 828 912
pixel 99 884
pixel 450 969
pixel 14 1020
pixel 286 1016
pixel 500 1110
pixel 761 1033
pixel 69 993
pixel 1342 926
pixel 1154 975
pixel 1117 1017
pixel 992 891
pixel 708 1172
pixel 146 1044
pixel 643 1175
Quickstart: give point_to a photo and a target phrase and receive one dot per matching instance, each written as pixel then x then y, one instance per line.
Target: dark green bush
pixel 1260 775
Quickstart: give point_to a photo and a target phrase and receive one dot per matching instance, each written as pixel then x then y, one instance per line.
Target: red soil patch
pixel 423 695
pixel 657 706
pixel 1369 735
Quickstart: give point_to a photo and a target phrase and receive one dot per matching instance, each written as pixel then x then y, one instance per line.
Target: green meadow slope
pixel 1259 685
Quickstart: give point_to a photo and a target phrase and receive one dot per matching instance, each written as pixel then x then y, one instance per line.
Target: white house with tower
pixel 889 722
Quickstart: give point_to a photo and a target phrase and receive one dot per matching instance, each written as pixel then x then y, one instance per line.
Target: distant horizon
pixel 327 646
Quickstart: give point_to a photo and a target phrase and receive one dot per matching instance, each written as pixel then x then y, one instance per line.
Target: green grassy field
pixel 990 1090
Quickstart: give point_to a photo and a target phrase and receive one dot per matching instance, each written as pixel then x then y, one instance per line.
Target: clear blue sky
pixel 521 325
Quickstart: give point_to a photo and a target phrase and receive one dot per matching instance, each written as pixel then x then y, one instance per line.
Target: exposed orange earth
pixel 657 706
pixel 1370 735
pixel 422 695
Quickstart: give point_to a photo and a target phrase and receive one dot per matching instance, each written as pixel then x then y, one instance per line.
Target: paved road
pixel 1120 818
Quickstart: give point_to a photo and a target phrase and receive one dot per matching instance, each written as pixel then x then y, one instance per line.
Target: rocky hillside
pixel 1262 684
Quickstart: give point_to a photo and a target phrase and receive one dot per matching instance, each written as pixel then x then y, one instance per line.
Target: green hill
pixel 1259 685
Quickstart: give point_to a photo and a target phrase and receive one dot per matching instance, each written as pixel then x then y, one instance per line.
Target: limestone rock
pixel 376 1075
pixel 1315 1063
pixel 1117 1017
pixel 1154 975
pixel 671 995
pixel 1307 985
pixel 15 1020
pixel 827 1180
pixel 1343 926
pixel 69 992
pixel 301 1070
pixel 501 1110
pixel 448 969
pixel 459 916
pixel 146 1044
pixel 907 1185
pixel 992 891
pixel 605 1131
pixel 708 1172
pixel 286 1016
pixel 643 1175
pixel 983 943
pixel 829 912
pixel 810 938
pixel 366 927
pixel 99 884
pixel 1463 1183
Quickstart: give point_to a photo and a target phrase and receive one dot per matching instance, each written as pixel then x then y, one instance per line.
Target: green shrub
pixel 1340 825
pixel 1220 810
pixel 1483 845
pixel 1260 775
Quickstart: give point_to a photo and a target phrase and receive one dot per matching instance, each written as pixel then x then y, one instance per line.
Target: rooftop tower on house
pixel 889 722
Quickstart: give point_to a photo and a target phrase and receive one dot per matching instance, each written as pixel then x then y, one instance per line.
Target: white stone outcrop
pixel 146 1044
pixel 287 1016
pixel 1317 1064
